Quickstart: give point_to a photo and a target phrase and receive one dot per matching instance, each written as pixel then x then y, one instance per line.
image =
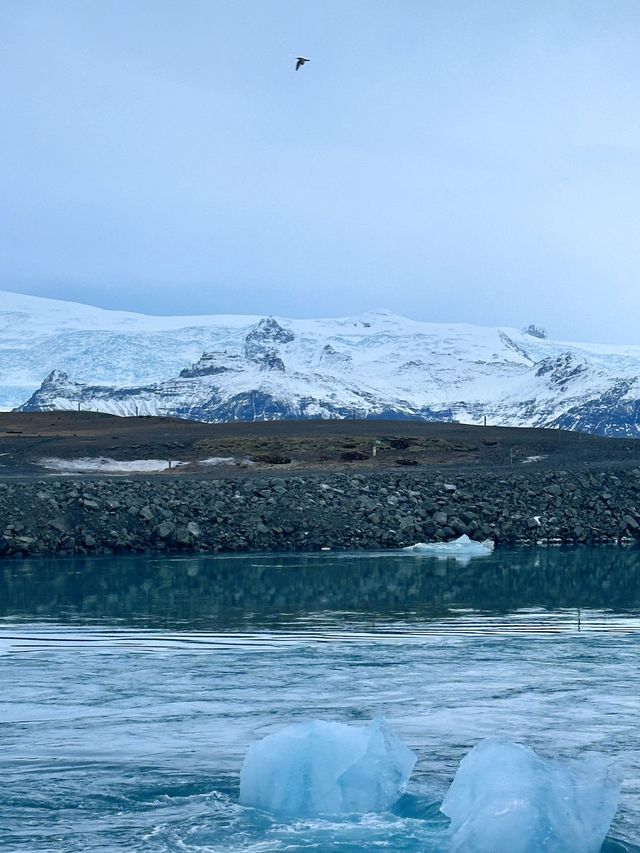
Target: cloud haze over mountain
pixel 451 161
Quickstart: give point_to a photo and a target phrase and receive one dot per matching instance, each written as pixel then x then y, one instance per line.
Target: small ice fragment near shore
pixel 463 548
pixel 506 797
pixel 322 767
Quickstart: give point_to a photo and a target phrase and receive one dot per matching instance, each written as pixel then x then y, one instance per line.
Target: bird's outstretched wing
pixel 299 64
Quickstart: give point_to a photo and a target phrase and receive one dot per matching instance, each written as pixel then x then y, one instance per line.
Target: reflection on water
pixel 214 593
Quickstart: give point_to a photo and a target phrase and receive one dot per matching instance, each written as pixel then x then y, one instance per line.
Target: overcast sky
pixel 451 160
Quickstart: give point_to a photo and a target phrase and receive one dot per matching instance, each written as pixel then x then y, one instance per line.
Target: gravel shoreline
pixel 307 513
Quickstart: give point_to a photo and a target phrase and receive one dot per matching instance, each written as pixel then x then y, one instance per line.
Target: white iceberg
pixel 321 767
pixel 462 549
pixel 506 797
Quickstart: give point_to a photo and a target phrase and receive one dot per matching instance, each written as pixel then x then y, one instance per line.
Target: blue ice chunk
pixel 321 767
pixel 505 797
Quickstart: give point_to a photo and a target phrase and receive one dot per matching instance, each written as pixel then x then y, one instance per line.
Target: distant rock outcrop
pixel 535 331
pixel 330 357
pixel 212 364
pixel 561 370
pixel 270 360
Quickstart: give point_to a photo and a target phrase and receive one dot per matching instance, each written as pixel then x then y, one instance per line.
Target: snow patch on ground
pixel 528 459
pixel 105 465
pixel 225 460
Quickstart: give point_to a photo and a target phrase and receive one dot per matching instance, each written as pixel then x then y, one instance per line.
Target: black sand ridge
pixel 285 447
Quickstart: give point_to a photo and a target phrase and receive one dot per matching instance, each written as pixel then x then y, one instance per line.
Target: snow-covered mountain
pixel 374 365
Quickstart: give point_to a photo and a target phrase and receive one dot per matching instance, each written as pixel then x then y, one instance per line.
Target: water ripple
pixel 533 624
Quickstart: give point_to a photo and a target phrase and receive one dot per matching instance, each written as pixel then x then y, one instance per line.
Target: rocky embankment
pixel 341 511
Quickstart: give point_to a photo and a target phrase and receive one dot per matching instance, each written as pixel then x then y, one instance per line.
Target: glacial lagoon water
pixel 133 687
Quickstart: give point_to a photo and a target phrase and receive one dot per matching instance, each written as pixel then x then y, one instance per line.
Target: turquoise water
pixel 131 688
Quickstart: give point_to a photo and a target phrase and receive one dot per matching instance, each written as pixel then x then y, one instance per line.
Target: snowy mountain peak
pixel 56 377
pixel 268 329
pixel 376 365
pixel 260 343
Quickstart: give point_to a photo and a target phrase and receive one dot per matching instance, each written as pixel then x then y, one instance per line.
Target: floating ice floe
pixel 462 549
pixel 105 465
pixel 321 767
pixel 506 797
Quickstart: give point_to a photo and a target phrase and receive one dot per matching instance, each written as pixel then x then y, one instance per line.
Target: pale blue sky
pixel 452 160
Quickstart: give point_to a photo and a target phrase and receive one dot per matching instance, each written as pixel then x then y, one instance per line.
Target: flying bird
pixel 300 61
